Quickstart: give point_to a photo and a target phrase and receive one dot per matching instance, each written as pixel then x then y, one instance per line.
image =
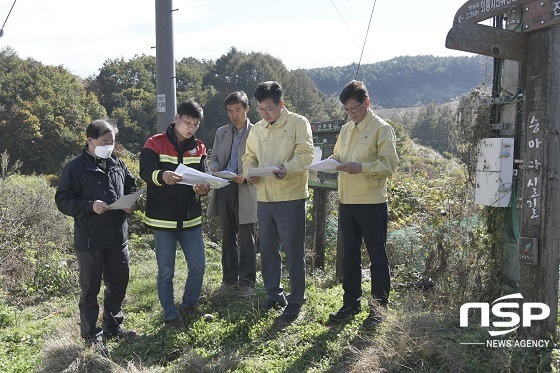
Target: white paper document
pixel 262 171
pixel 193 177
pixel 224 174
pixel 126 201
pixel 326 165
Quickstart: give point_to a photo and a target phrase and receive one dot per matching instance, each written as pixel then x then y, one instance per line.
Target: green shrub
pixel 35 238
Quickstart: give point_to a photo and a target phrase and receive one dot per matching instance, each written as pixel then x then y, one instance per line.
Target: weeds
pixel 441 256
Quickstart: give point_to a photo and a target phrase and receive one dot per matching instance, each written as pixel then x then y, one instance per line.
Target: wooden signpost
pixel 324 139
pixel 536 44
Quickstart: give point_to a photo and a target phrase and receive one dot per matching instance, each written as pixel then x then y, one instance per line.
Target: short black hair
pixel 190 108
pixel 270 89
pixel 356 90
pixel 99 127
pixel 236 98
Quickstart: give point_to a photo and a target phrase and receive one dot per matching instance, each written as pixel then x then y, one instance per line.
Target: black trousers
pixel 367 221
pixel 238 240
pixel 113 267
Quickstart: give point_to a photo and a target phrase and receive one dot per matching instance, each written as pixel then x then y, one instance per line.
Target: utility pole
pixel 165 65
pixel 536 45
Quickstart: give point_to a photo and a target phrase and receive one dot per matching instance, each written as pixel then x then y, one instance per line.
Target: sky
pixel 82 34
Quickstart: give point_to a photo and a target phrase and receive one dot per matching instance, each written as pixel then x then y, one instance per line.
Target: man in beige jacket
pixel 236 203
pixel 281 139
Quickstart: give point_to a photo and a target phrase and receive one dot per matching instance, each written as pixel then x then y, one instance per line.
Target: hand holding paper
pixel 326 165
pixel 194 177
pixel 262 171
pixel 224 174
pixel 126 202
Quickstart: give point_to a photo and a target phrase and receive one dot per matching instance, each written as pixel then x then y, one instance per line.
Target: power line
pixel 8 16
pixel 365 39
pixel 363 48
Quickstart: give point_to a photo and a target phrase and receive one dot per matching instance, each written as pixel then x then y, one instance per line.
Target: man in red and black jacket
pixel 173 210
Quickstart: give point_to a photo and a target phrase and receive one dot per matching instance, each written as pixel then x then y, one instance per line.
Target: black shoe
pixel 344 312
pixel 372 320
pixel 377 312
pixel 121 334
pixel 275 304
pixel 291 312
pixel 97 344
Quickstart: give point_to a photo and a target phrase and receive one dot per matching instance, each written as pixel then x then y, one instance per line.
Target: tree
pixel 44 111
pixel 433 127
pixel 126 89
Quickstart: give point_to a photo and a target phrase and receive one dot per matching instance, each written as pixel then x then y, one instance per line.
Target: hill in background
pixel 408 81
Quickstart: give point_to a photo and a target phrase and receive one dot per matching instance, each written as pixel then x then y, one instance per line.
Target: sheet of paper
pixel 262 171
pixel 326 165
pixel 224 174
pixel 126 201
pixel 193 177
pixel 317 154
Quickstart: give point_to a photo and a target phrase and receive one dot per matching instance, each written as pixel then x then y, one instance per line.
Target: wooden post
pixel 538 47
pixel 319 226
pixel 539 244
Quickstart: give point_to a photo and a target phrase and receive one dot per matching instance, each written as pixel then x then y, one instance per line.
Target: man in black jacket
pixel 88 185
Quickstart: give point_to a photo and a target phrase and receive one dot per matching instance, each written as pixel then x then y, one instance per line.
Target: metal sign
pixel 161 103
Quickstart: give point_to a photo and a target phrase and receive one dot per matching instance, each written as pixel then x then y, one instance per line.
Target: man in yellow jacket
pixel 366 150
pixel 281 139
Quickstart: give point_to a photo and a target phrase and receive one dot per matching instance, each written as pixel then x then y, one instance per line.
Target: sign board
pixel 540 15
pixel 480 10
pixel 325 135
pixel 529 250
pixel 161 103
pixel 536 15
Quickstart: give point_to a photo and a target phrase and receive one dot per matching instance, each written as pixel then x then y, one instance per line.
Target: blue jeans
pixel 192 245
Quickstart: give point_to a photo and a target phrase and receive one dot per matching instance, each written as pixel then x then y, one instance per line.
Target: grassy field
pixel 415 337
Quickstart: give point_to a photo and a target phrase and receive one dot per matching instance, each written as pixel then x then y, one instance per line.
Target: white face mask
pixel 104 151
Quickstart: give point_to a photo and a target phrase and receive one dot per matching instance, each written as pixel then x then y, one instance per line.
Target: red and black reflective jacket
pixel 171 207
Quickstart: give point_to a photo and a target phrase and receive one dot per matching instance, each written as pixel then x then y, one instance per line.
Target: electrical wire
pixel 8 16
pixel 374 73
pixel 365 39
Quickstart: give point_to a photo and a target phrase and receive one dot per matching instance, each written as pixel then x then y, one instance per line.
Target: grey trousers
pixel 238 240
pixel 282 226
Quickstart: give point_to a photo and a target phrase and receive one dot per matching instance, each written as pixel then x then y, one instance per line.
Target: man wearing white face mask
pixel 87 186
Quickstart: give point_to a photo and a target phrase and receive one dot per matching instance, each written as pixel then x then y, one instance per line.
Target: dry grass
pixel 65 352
pixel 413 339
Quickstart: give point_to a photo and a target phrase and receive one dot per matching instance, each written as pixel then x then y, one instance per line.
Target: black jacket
pixel 84 181
pixel 171 207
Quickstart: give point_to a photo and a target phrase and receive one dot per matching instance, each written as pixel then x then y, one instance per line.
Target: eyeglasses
pixel 191 124
pixel 352 110
pixel 267 110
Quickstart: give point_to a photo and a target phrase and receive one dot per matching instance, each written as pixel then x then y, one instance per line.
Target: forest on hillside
pixel 44 109
pixel 408 81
